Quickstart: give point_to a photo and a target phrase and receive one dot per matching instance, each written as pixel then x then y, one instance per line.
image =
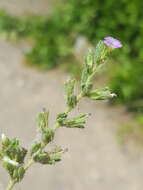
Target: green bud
pixel 49 157
pixel 61 117
pixel 87 73
pixel 35 148
pixel 5 140
pixel 69 93
pixel 18 174
pixel 20 156
pixel 42 158
pixel 100 52
pixel 86 86
pixel 89 60
pixel 55 158
pixel 77 122
pixel 47 135
pixel 56 155
pixel 14 151
pixel 21 172
pixel 101 94
pixel 43 119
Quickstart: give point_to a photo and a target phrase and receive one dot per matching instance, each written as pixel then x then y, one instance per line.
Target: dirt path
pixel 21 7
pixel 95 161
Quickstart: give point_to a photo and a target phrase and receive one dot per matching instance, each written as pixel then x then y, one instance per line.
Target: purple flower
pixel 112 42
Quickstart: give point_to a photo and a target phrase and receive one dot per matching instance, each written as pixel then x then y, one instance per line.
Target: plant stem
pixel 31 161
pixel 79 97
pixel 11 185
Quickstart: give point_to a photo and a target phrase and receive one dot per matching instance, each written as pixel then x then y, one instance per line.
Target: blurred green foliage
pixel 52 43
pixel 54 36
pixel 127 81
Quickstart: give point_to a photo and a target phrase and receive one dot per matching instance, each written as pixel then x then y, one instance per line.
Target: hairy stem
pixel 29 164
pixel 31 161
pixel 11 185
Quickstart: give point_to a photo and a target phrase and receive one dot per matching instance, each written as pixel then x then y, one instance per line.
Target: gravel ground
pixel 95 160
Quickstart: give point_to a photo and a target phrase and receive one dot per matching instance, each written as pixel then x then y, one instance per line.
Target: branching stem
pixel 31 161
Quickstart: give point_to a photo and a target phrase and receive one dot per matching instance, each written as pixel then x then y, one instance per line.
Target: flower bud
pixel 42 158
pixel 86 84
pixel 21 172
pixel 61 117
pixel 100 52
pixel 5 140
pixel 18 174
pixel 43 119
pixel 55 158
pixel 89 60
pixel 49 157
pixel 101 94
pixel 47 135
pixel 69 93
pixel 77 122
pixel 35 148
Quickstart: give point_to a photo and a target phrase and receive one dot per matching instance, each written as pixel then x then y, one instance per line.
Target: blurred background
pixel 41 44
